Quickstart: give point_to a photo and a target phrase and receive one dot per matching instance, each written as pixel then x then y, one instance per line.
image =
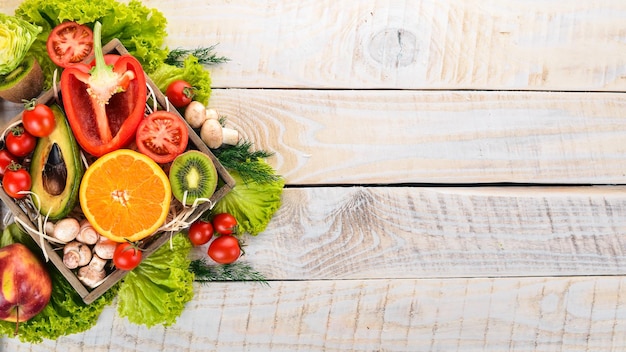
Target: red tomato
pixel 19 142
pixel 15 180
pixel 127 256
pixel 162 136
pixel 200 232
pixel 179 93
pixel 225 249
pixel 69 43
pixel 5 160
pixel 38 119
pixel 224 224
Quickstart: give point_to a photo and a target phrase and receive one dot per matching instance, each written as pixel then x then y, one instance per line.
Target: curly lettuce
pixel 157 290
pixel 192 71
pixel 16 37
pixel 142 30
pixel 252 203
pixel 66 313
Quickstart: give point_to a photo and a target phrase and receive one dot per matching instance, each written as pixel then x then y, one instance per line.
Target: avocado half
pixel 23 83
pixel 56 170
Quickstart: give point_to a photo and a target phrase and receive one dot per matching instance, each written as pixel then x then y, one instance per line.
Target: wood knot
pixel 393 47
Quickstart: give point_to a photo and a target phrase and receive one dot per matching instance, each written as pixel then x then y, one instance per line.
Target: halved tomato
pixel 69 43
pixel 162 136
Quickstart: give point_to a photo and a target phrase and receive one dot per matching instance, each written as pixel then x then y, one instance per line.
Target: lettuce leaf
pixel 140 29
pixel 157 290
pixel 66 313
pixel 192 71
pixel 252 203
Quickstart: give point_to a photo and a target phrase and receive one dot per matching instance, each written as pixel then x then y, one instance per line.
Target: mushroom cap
pixel 211 134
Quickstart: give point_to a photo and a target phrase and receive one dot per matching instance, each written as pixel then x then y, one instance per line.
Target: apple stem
pixel 17 320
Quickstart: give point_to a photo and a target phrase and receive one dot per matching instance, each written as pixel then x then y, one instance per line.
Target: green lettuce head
pixel 16 37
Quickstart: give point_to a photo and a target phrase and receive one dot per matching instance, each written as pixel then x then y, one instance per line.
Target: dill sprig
pixel 248 163
pixel 238 271
pixel 205 56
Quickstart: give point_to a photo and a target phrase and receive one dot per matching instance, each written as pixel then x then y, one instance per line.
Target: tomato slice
pixel 162 136
pixel 69 43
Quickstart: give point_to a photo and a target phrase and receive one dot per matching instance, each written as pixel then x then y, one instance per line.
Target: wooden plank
pixel 408 232
pixel 408 44
pixel 356 137
pixel 513 314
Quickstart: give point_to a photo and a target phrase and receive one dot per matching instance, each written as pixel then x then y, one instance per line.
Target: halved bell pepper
pixel 104 104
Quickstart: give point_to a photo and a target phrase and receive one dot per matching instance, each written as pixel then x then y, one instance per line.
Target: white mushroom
pixel 93 274
pixel 105 248
pixel 76 254
pixel 66 230
pixel 214 135
pixel 87 233
pixel 195 114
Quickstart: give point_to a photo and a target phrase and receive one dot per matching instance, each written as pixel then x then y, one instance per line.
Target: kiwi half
pixel 192 172
pixel 23 83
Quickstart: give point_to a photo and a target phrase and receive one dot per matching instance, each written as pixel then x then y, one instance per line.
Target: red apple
pixel 25 285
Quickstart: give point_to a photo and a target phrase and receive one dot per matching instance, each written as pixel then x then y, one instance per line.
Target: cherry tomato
pixel 127 256
pixel 5 160
pixel 69 43
pixel 15 180
pixel 179 93
pixel 38 119
pixel 224 249
pixel 19 142
pixel 200 232
pixel 224 224
pixel 162 136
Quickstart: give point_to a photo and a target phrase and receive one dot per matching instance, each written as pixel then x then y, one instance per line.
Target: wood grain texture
pixel 335 137
pixel 409 232
pixel 408 44
pixel 513 314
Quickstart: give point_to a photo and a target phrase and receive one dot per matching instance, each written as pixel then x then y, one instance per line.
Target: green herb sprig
pixel 205 56
pixel 247 162
pixel 238 271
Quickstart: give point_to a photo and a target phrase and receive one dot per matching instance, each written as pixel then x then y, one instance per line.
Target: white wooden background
pixel 460 169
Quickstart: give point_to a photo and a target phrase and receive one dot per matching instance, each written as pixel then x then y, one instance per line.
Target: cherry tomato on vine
pixel 15 180
pixel 224 249
pixel 19 142
pixel 127 256
pixel 180 93
pixel 69 43
pixel 5 160
pixel 38 119
pixel 224 224
pixel 200 232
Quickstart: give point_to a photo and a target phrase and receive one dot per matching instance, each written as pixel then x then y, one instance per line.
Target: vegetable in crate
pixel 20 76
pixel 56 170
pixel 106 104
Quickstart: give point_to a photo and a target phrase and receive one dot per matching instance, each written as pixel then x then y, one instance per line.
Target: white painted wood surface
pixel 378 96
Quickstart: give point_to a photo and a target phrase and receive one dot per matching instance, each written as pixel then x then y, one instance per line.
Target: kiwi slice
pixel 193 172
pixel 23 83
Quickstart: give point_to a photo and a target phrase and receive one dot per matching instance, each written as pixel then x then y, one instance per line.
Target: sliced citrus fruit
pixel 125 195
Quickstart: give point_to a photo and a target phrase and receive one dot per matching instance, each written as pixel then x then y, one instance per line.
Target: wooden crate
pixel 23 213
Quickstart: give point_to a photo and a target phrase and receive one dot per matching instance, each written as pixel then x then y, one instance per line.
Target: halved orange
pixel 125 195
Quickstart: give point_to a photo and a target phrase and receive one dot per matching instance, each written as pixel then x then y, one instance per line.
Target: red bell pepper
pixel 104 104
